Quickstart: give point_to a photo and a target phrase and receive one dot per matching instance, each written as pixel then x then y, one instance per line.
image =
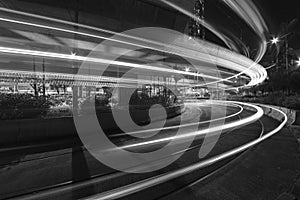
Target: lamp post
pixel 276 41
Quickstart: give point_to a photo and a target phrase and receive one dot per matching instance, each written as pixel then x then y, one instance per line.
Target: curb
pixel 286 196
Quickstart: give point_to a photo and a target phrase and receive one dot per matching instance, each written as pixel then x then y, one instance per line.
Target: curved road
pixel 73 171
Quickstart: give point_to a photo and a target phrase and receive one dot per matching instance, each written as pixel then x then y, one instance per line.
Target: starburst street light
pixel 298 62
pixel 187 69
pixel 275 40
pixel 73 54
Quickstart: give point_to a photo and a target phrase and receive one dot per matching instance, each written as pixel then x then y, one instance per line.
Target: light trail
pixel 218 55
pixel 38 38
pixel 184 125
pixel 256 78
pixel 156 180
pixel 248 11
pixel 225 39
pixel 206 131
pixel 75 78
pixel 150 182
pixel 97 60
pixel 254 13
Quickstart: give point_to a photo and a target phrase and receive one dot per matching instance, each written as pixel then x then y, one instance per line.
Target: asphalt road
pixel 269 171
pixel 78 174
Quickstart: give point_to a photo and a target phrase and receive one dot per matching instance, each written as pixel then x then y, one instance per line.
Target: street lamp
pixel 275 40
pixel 73 55
pixel 298 62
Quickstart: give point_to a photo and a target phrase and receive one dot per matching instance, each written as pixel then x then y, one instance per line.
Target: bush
pixel 292 102
pixel 58 100
pixel 144 100
pixel 61 110
pixel 102 102
pixel 21 106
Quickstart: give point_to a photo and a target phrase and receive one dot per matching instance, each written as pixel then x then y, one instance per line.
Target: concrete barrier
pixel 297 118
pixel 18 132
pixel 291 114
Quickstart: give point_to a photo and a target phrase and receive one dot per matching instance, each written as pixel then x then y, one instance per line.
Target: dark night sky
pixel 275 12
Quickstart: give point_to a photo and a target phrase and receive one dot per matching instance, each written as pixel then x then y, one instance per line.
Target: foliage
pixel 21 106
pixel 292 102
pixel 146 100
pixel 61 110
pixel 58 100
pixel 101 102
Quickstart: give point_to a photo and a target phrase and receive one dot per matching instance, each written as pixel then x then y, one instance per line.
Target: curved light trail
pixel 220 55
pixel 156 180
pixel 186 125
pixel 162 178
pixel 257 22
pixel 247 11
pixel 206 131
pixel 209 54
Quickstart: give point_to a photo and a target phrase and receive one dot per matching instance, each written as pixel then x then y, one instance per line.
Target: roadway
pixel 268 171
pixel 68 171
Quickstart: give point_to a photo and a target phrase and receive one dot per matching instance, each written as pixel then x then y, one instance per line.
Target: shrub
pixel 21 106
pixel 102 102
pixel 57 100
pixel 61 110
pixel 145 100
pixel 292 102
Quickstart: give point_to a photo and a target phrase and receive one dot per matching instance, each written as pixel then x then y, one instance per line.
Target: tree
pixel 294 81
pixel 196 28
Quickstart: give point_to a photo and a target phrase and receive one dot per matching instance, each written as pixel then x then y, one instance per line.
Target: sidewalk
pixel 268 171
